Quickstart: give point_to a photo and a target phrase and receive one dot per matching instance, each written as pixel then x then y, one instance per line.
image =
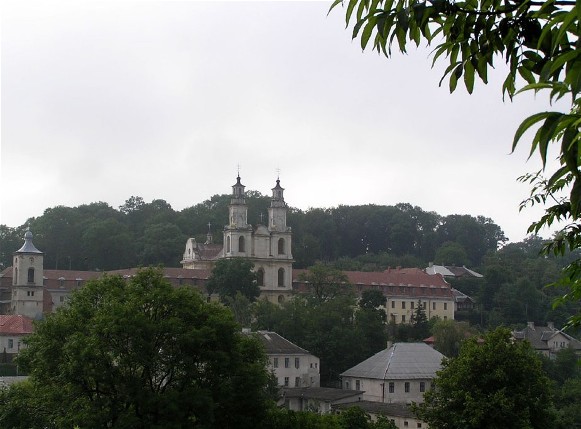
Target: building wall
pixel 11 344
pixel 304 373
pixel 400 309
pixel 379 390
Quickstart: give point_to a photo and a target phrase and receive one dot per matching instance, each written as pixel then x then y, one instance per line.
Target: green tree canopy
pixel 231 276
pixel 494 383
pixel 140 354
pixel 325 282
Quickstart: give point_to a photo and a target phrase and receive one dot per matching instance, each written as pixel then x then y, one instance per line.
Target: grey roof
pixel 400 361
pixel 28 246
pixel 539 336
pixel 329 394
pixel 275 344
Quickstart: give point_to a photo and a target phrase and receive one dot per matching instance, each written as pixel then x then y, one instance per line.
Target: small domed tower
pixel 27 280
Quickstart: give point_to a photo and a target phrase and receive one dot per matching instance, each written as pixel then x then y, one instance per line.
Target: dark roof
pixel 539 336
pixel 275 344
pixel 396 410
pixel 320 393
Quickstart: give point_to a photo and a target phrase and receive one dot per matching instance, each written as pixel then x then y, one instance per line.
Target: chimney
pixel 551 325
pixel 531 325
pixel 389 344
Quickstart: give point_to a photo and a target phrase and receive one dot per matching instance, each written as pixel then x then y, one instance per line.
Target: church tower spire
pixel 27 280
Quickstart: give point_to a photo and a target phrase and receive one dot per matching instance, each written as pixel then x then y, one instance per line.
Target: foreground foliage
pixel 539 41
pixel 139 354
pixel 493 383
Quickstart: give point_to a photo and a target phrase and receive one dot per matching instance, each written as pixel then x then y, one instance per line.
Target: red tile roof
pixel 14 324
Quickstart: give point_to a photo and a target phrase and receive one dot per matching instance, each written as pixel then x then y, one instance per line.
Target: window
pixel 297 381
pixel 30 293
pixel 10 343
pixel 228 244
pixel 419 425
pixel 391 387
pixel 407 387
pixel 445 306
pixel 297 362
pixel 260 277
pixel 62 298
pixel 347 385
pixel 357 384
pixel 281 276
pixel 433 305
pixel 275 362
pixel 405 424
pixel 31 275
pixel 412 305
pixel 392 304
pixel 316 364
pixel 241 247
pixel 287 362
pixel 403 318
pixel 424 305
pixel 280 299
pixel 281 246
pixel 286 379
pixel 403 304
pixel 422 386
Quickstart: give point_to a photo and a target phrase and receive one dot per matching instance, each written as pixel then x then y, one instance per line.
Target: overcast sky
pixel 102 100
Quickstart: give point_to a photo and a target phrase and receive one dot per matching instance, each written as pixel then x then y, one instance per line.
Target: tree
pixel 233 275
pixel 419 322
pixel 325 282
pixel 539 40
pixel 143 354
pixel 494 383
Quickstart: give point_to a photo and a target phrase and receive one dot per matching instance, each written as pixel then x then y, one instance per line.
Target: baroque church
pixel 267 246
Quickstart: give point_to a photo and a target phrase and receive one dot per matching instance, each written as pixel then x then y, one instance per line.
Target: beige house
pixel 399 374
pixel 403 288
pixel 547 339
pixel 292 365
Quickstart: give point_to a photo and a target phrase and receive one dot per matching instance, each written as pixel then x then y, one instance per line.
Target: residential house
pixel 547 339
pixel 13 329
pixel 292 365
pixel 401 373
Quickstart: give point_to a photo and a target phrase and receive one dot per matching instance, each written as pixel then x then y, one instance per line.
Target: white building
pixel 399 374
pixel 27 296
pixel 292 365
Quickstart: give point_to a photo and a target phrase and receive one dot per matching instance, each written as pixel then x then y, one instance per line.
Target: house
pixel 292 365
pixel 403 289
pixel 547 339
pixel 321 400
pixel 13 329
pixel 401 373
pixel 462 302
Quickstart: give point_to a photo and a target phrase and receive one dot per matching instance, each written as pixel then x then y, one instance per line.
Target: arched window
pixel 241 244
pixel 30 275
pixel 281 276
pixel 280 299
pixel 15 279
pixel 281 246
pixel 260 277
pixel 228 244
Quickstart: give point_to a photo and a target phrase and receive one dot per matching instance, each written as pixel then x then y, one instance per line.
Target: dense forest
pixel 371 237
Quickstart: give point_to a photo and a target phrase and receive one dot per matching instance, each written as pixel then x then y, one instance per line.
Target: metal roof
pixel 400 361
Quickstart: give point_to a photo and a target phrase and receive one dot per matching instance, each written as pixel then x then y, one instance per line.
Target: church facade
pixel 267 246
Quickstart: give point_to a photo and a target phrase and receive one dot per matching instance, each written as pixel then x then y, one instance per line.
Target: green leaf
pixel 469 76
pixel 560 60
pixel 367 31
pixel 573 77
pixel 335 3
pixel 457 74
pixel 350 7
pixel 526 124
pixel 576 198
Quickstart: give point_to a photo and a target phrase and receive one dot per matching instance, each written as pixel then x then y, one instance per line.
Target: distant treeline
pixel 98 236
pixel 369 238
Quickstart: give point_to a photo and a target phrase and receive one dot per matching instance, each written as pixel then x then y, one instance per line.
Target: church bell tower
pixel 27 280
